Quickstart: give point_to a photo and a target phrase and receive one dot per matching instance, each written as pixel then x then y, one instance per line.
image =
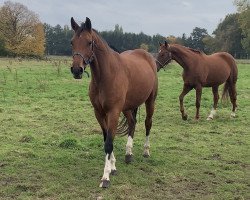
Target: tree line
pixel 22 34
pixel 58 40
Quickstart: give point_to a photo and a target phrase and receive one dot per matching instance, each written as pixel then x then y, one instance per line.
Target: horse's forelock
pixel 81 29
pixel 82 25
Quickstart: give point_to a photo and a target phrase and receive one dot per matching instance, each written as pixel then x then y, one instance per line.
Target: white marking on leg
pixel 212 114
pixel 129 146
pixel 233 114
pixel 146 146
pixel 107 169
pixel 112 162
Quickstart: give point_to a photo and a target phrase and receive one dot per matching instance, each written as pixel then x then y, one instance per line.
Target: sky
pixel 164 17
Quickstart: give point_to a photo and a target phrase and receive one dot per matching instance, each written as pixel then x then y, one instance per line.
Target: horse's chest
pixel 105 99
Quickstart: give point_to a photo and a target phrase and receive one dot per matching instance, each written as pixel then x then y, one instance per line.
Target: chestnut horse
pixel 201 70
pixel 119 83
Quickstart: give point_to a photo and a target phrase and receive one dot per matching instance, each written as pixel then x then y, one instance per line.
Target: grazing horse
pixel 119 83
pixel 201 70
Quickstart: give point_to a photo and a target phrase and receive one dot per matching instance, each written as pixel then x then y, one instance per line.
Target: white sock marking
pixel 107 169
pixel 233 114
pixel 129 146
pixel 112 161
pixel 146 146
pixel 212 113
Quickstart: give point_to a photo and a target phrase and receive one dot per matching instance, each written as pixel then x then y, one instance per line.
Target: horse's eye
pixel 71 43
pixel 90 43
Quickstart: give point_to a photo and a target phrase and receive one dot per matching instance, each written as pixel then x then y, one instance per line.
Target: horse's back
pixel 140 65
pixel 139 57
pixel 226 57
pixel 222 61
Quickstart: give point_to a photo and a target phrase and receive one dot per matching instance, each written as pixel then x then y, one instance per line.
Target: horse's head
pixel 164 55
pixel 82 47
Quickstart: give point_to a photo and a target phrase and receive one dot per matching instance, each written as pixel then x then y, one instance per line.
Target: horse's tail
pixel 225 93
pixel 232 79
pixel 123 126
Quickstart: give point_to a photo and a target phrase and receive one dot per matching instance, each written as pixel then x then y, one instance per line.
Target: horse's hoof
pixel 185 117
pixel 128 158
pixel 233 115
pixel 113 172
pixel 105 184
pixel 146 155
pixel 210 118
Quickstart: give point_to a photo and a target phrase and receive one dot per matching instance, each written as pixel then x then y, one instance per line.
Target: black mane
pixel 114 48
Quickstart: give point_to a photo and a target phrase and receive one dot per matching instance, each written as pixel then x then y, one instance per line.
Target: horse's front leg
pixel 109 168
pixel 186 89
pixel 198 100
pixel 100 116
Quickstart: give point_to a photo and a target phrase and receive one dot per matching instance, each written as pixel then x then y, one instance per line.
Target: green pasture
pixel 51 146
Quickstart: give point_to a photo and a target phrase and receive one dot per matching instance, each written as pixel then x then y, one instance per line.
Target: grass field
pixel 51 146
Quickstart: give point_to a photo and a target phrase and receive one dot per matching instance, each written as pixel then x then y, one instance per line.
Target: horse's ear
pixel 74 25
pixel 88 25
pixel 160 43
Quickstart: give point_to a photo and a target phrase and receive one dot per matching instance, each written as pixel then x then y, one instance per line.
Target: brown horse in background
pixel 201 70
pixel 119 83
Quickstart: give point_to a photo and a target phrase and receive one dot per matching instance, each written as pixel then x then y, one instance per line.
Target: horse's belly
pixel 134 100
pixel 217 78
pixel 138 94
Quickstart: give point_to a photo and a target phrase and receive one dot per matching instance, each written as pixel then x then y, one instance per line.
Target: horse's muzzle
pixel 77 72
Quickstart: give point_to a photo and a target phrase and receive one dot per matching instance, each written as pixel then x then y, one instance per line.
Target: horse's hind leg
pixel 150 105
pixel 198 100
pixel 233 98
pixel 186 89
pixel 131 118
pixel 216 99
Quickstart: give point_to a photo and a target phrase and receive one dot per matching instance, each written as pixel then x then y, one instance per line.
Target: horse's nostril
pixel 81 70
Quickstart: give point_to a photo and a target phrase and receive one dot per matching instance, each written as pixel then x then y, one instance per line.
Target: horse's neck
pixel 180 55
pixel 101 66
